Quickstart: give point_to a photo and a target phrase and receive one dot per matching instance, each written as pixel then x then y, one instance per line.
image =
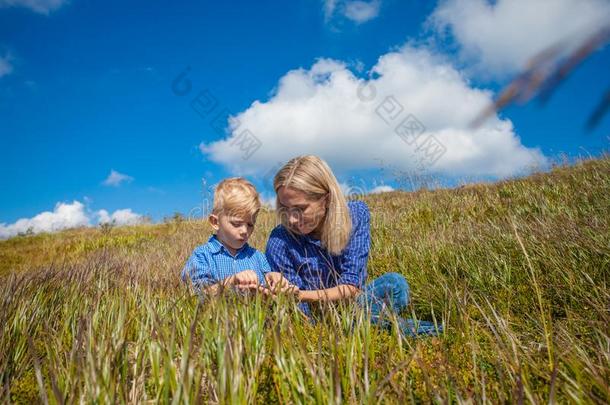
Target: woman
pixel 322 245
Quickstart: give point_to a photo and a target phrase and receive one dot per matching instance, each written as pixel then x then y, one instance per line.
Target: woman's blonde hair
pixel 236 196
pixel 312 176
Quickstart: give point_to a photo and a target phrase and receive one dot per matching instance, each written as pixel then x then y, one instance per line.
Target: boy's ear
pixel 213 218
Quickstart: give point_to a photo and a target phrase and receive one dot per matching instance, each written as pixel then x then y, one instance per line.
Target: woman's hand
pixel 278 284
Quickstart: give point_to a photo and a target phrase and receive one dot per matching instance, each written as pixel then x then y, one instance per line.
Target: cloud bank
pixel 412 112
pixel 499 38
pixel 65 216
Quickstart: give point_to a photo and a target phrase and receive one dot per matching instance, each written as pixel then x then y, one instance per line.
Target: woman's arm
pixel 353 261
pixel 342 291
pixel 278 257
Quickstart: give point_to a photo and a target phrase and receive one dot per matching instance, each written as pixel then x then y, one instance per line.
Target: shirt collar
pixel 217 246
pixel 313 241
pixel 309 239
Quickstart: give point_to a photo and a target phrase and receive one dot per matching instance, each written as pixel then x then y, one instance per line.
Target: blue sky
pixel 86 88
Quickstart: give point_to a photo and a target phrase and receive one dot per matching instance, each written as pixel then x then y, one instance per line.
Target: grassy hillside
pixel 516 271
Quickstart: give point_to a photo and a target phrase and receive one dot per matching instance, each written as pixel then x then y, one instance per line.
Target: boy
pixel 227 259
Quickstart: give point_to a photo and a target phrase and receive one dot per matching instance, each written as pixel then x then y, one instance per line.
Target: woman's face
pixel 303 215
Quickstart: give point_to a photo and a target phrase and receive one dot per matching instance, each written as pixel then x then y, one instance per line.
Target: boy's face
pixel 233 230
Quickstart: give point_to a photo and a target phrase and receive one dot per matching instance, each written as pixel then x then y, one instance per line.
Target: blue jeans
pixel 388 295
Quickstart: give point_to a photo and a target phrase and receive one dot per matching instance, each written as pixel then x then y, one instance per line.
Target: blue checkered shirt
pixel 303 261
pixel 212 263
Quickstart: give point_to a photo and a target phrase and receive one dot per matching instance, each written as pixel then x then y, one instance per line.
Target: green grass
pixel 516 271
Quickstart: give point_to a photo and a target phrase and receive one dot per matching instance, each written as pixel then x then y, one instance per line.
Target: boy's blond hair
pixel 236 196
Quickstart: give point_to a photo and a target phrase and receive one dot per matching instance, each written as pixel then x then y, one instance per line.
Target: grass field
pixel 517 272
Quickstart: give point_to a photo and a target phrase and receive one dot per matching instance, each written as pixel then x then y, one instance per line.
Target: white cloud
pixel 361 11
pixel 358 189
pixel 38 6
pixel 500 38
pixel 358 11
pixel 328 111
pixel 65 216
pixel 381 189
pixel 6 67
pixel 115 179
pixel 120 217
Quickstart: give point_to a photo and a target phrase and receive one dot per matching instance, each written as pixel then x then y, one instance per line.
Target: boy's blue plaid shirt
pixel 212 263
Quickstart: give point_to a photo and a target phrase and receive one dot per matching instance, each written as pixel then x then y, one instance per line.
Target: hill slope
pixel 517 271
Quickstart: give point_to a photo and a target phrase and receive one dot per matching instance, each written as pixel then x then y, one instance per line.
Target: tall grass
pixel 516 271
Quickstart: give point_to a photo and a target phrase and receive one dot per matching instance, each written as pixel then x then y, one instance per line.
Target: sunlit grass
pixel 517 272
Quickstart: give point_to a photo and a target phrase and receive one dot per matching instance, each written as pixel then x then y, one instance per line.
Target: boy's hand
pixel 246 279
